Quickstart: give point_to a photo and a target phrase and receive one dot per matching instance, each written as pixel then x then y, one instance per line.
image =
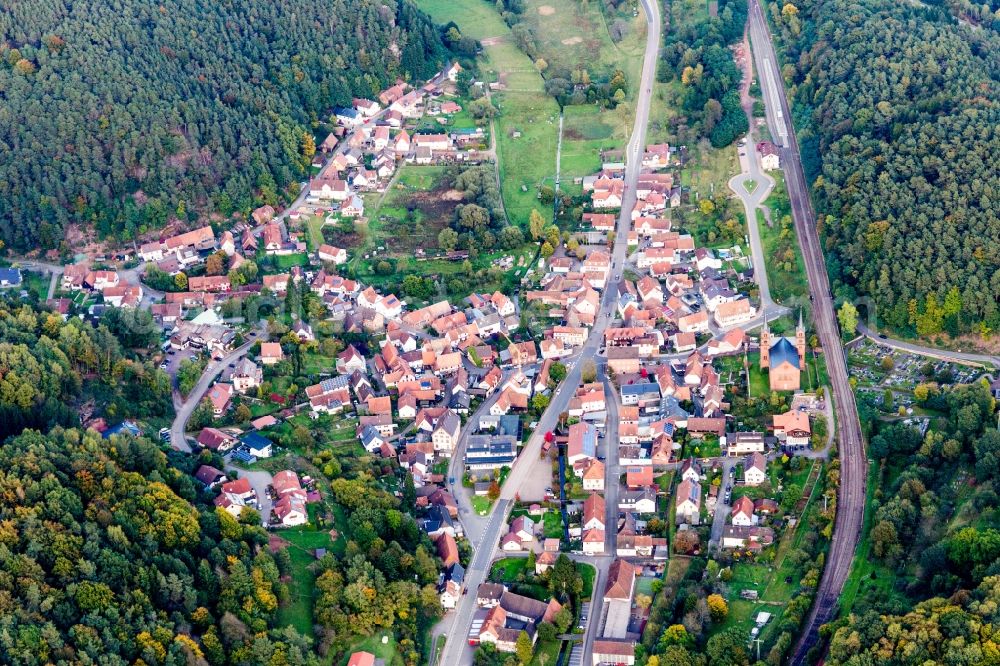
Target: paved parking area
pixel 174 358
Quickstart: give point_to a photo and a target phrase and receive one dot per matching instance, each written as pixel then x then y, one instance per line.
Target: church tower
pixel 765 344
pixel 800 342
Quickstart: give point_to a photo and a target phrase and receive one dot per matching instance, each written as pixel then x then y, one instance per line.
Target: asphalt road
pixel 596 615
pixel 456 650
pixel 722 507
pixel 943 354
pixel 851 500
pixel 612 466
pixel 612 487
pixel 472 523
pixel 750 168
pixel 184 411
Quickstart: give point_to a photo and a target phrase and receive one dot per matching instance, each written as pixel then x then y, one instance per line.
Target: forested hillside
pixel 110 549
pixel 105 559
pixel 122 114
pixel 49 368
pixel 930 592
pixel 900 129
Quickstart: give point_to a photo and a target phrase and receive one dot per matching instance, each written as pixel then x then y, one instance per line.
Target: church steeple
pixel 800 341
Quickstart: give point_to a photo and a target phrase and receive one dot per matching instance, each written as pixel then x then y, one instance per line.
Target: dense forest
pixel 897 108
pixel 932 584
pixel 53 371
pixel 105 559
pixel 479 222
pixel 384 578
pixel 123 115
pixel 696 52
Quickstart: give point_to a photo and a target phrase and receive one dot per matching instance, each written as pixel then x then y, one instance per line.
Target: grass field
pixel 776 582
pixel 576 36
pixel 644 585
pixel 588 573
pixel 524 106
pixel 586 131
pixel 410 215
pixel 572 36
pixel 481 504
pixel 35 283
pixel 303 541
pixel 552 526
pixel 508 568
pixel 760 386
pixel 785 268
pixel 708 170
pixel 688 12
pixel 546 653
pixel 814 376
pixel 314 232
pixel 413 212
pixel 388 652
pixel 476 18
pixel 286 261
pixel 867 577
pixel 676 569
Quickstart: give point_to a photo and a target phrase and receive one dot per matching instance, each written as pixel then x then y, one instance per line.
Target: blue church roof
pixel 784 351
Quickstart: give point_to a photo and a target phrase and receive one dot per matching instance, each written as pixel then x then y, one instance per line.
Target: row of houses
pixel 371 139
pixel 108 283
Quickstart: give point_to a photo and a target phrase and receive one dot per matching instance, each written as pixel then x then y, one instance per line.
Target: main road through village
pixel 456 649
pixel 853 464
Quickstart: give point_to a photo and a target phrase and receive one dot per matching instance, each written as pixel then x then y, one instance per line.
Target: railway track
pixel 853 464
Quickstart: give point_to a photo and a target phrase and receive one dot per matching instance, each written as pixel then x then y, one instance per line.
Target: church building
pixel 783 357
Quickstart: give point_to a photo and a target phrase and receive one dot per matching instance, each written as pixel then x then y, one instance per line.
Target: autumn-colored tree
pixel 686 542
pixel 717 607
pixel 215 264
pixel 308 147
pixel 242 414
pixel 536 224
pixel 848 317
pixel 675 634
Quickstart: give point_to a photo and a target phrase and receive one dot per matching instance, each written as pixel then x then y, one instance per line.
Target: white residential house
pixel 594 512
pixel 689 502
pixel 246 375
pixel 755 469
pixel 769 158
pixel 739 444
pixel 446 432
pixel 743 515
pixel 335 255
pixel 638 501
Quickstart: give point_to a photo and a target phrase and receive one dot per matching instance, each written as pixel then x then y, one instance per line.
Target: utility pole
pixel 757 641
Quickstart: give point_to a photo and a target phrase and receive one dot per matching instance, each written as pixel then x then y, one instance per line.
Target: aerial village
pixel 647 459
